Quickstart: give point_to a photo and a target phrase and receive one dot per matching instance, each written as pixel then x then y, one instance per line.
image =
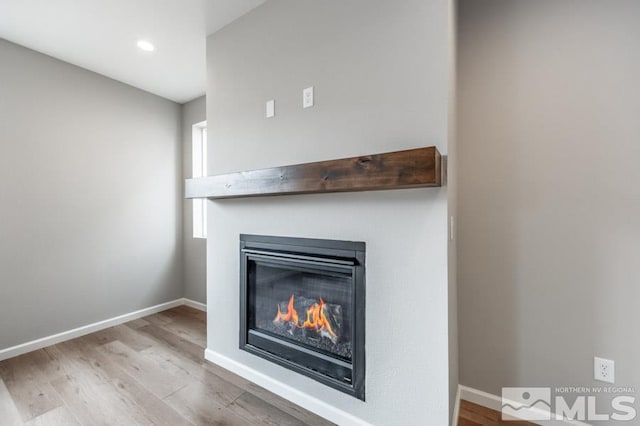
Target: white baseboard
pixel 494 402
pixel 195 305
pixel 88 329
pixel 287 392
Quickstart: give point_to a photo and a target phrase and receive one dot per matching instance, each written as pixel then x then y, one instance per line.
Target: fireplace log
pixel 333 313
pixel 414 168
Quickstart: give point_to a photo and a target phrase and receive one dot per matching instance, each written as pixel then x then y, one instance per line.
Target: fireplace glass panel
pixel 306 305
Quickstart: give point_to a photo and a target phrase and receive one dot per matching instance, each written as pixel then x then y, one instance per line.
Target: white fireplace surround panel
pixel 406 349
pixel 381 88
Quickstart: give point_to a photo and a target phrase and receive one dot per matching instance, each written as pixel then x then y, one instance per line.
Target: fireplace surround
pixel 302 306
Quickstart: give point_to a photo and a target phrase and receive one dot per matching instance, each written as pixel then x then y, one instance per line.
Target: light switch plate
pixel 271 108
pixel 307 97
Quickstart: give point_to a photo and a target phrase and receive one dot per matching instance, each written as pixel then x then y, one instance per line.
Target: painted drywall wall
pixel 195 249
pixel 549 207
pixel 90 209
pixel 452 203
pixel 380 72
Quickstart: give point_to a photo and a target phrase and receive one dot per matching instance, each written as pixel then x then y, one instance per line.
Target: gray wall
pixel 195 249
pixel 549 229
pixel 380 71
pixel 90 209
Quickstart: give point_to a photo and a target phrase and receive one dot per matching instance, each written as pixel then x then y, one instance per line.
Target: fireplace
pixel 302 305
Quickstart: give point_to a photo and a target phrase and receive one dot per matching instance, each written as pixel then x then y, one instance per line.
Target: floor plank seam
pixel 174 392
pixel 236 398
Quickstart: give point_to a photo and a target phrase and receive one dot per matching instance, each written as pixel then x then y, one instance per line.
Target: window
pixel 199 161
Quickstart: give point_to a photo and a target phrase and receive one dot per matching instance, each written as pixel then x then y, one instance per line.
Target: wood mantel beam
pixel 414 168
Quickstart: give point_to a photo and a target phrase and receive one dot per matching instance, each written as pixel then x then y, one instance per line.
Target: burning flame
pixel 290 316
pixel 316 318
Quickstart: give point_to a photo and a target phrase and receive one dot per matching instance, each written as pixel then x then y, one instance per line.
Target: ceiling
pixel 101 35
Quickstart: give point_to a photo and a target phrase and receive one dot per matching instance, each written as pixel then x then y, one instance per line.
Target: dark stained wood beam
pixel 414 168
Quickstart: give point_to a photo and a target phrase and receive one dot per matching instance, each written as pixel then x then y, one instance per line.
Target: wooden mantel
pixel 414 168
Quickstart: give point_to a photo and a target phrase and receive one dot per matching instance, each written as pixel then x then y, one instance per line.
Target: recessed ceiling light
pixel 146 46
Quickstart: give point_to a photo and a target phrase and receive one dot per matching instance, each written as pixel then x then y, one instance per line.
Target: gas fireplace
pixel 302 306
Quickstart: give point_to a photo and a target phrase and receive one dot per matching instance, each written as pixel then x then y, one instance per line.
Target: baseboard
pixel 287 392
pixel 195 305
pixel 87 329
pixel 494 402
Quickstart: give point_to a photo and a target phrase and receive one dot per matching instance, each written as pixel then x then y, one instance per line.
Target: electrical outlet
pixel 604 370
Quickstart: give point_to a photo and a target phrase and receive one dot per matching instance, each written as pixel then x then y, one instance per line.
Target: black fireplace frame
pixel 326 253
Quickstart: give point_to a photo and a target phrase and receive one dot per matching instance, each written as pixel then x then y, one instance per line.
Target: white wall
pixel 90 209
pixel 380 71
pixel 195 249
pixel 549 229
pixel 451 169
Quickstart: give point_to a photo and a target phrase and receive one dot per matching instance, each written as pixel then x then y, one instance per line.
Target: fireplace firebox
pixel 302 305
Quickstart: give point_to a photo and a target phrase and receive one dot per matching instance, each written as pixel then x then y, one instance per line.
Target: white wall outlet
pixel 604 370
pixel 270 108
pixel 307 97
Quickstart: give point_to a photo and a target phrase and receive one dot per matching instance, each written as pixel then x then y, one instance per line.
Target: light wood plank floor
pixel 149 371
pixel 475 415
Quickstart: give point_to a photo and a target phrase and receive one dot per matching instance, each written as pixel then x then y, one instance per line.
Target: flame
pixel 290 316
pixel 316 318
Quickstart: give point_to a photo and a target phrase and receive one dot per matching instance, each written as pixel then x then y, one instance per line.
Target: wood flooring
pixel 475 415
pixel 149 371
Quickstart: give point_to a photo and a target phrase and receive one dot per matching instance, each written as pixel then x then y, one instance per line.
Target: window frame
pixel 198 170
